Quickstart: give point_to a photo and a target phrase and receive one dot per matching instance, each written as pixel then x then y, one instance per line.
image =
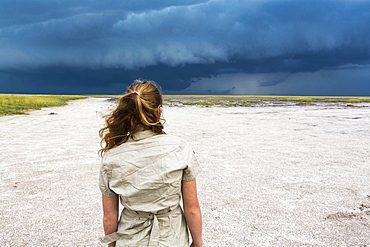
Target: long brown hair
pixel 139 106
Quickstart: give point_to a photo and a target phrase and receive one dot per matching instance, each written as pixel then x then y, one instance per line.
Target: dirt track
pixel 272 176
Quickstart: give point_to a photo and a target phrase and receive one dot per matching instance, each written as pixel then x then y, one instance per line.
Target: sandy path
pixel 272 176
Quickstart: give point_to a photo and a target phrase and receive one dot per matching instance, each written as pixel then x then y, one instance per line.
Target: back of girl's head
pixel 139 107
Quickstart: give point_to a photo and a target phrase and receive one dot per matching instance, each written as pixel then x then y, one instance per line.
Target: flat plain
pixel 277 174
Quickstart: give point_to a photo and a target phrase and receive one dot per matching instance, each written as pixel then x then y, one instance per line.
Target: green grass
pixel 247 100
pixel 11 104
pixel 19 103
pixel 253 99
pixel 216 102
pixel 305 103
pixel 294 98
pixel 325 99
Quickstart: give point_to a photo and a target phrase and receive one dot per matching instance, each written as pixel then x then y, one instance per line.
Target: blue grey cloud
pixel 178 42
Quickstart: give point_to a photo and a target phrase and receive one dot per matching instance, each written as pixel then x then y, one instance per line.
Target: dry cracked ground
pixel 282 175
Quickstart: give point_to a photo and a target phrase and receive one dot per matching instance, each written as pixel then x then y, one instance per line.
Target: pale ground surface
pixel 272 176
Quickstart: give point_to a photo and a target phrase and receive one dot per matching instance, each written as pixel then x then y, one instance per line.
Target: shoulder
pixel 110 155
pixel 172 139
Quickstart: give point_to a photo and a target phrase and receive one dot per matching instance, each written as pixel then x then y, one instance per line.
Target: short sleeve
pixel 103 182
pixel 193 167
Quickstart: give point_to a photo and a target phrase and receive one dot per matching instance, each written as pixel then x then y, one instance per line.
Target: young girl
pixel 149 171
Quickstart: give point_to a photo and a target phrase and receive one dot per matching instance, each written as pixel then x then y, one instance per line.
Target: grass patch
pixel 216 103
pixel 284 98
pixel 11 104
pixel 201 102
pixel 247 100
pixel 350 100
pixel 305 103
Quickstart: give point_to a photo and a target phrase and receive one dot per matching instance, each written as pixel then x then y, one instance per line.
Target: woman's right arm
pixel 192 211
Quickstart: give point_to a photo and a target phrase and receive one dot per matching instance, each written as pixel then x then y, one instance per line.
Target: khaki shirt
pixel 146 173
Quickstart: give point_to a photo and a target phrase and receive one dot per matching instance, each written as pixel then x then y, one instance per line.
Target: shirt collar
pixel 139 135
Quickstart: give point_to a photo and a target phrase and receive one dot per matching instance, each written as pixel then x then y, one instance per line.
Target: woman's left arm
pixel 110 215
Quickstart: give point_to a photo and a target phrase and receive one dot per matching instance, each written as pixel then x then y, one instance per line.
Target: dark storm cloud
pixel 107 42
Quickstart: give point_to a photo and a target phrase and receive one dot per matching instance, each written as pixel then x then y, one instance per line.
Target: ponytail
pixel 139 106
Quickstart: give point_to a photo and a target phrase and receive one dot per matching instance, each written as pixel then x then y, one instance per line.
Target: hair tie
pixel 137 93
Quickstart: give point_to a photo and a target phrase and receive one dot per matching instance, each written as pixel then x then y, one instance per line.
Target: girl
pixel 149 171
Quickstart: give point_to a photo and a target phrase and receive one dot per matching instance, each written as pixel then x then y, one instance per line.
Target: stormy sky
pixel 285 47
